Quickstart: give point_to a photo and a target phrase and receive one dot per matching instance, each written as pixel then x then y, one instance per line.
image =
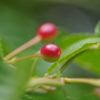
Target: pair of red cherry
pixel 50 52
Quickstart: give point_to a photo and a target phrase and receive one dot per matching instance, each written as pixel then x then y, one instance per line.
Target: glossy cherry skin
pixel 50 52
pixel 48 31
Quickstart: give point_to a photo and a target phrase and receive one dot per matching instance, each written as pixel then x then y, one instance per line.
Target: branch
pixel 23 47
pixel 34 83
pixel 90 81
pixel 18 59
pixel 44 81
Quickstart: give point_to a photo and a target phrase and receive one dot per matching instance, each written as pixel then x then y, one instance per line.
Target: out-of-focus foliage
pixel 18 23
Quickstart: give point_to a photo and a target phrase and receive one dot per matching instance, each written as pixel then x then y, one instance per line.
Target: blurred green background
pixel 19 20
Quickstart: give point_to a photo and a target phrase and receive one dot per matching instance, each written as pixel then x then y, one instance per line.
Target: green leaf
pixel 27 97
pixel 73 50
pixel 67 40
pixel 10 88
pixel 49 95
pixel 97 29
pixel 12 80
pixel 14 31
pixel 89 61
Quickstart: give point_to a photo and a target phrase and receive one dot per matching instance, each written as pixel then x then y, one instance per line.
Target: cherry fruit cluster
pixel 50 52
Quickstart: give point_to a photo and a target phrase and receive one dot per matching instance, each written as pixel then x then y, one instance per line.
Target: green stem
pixel 70 59
pixel 90 81
pixel 33 41
pixel 43 81
pixel 15 60
pixel 34 83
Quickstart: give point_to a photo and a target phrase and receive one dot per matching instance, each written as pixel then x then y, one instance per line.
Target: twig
pixel 90 81
pixel 23 47
pixel 15 60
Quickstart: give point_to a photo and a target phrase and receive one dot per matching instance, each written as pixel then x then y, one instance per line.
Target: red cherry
pixel 50 52
pixel 47 31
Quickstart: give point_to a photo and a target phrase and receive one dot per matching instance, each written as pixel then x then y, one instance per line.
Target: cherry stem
pixel 35 82
pixel 91 81
pixel 28 44
pixel 35 55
